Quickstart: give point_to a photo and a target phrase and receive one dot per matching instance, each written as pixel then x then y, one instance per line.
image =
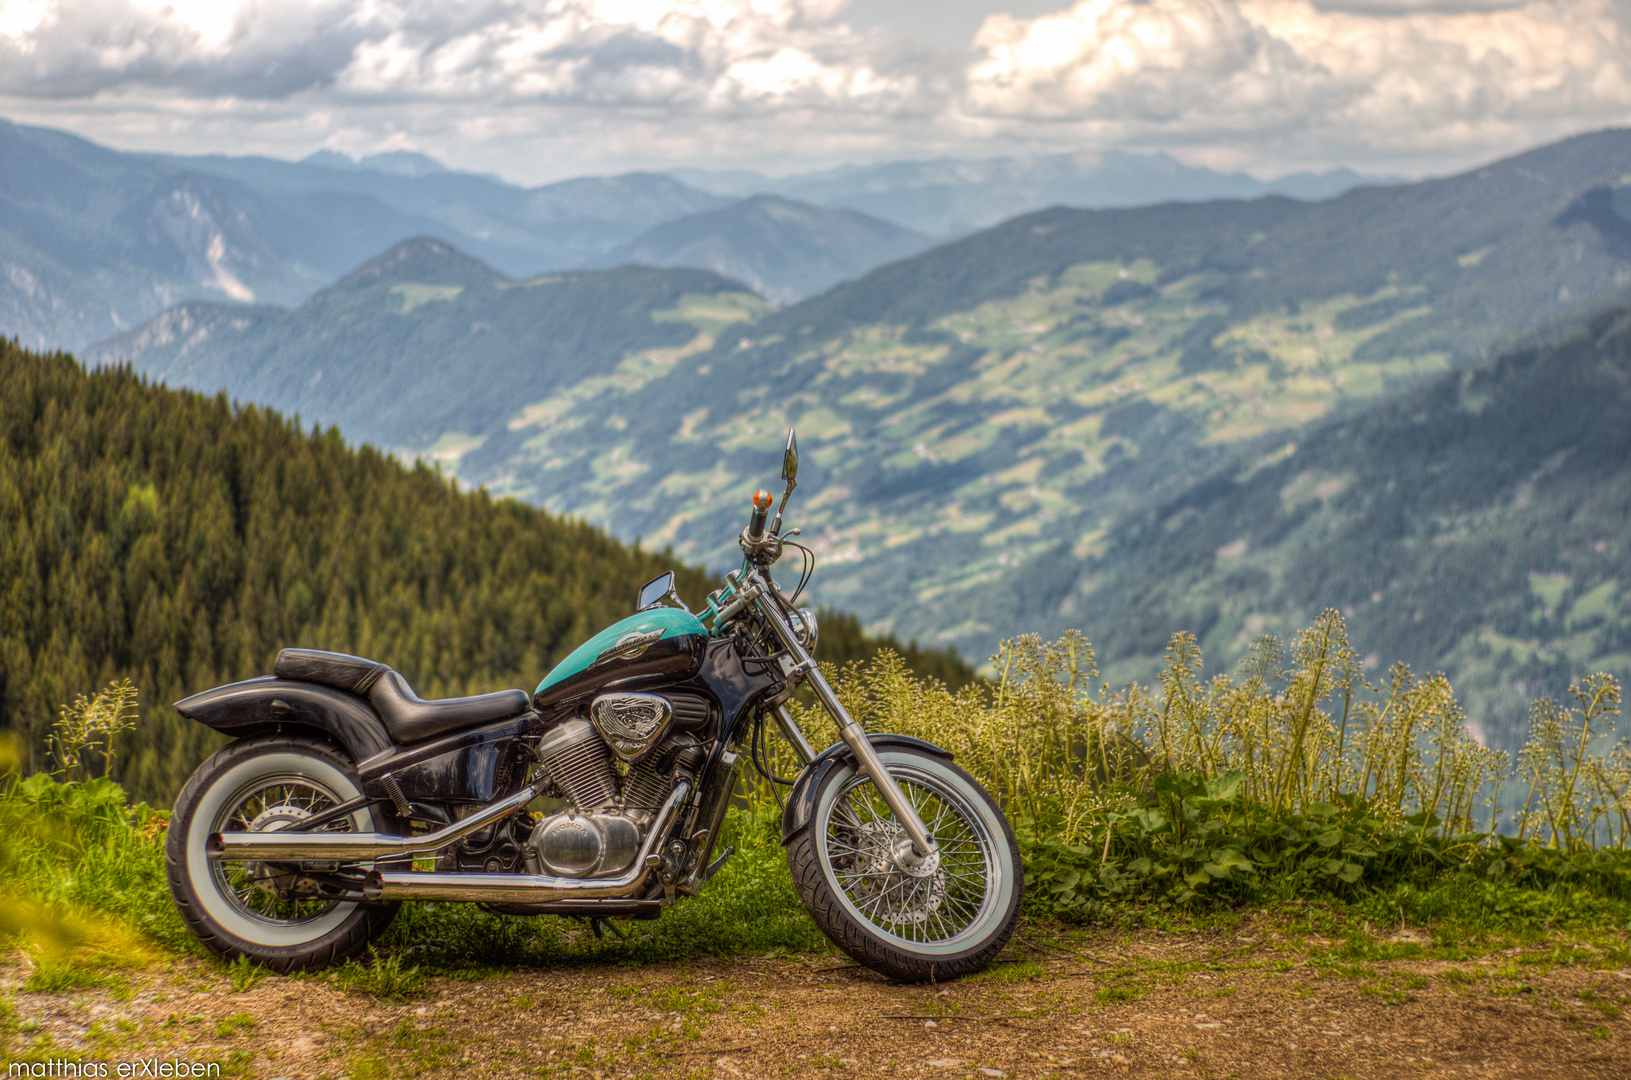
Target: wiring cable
pixel 807 561
pixel 759 754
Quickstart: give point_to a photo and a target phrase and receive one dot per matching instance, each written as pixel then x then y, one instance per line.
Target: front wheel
pixel 911 919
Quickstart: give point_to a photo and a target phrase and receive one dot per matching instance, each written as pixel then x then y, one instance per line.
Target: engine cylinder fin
pixel 580 764
pixel 645 788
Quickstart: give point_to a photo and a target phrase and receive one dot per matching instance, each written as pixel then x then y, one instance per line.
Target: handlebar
pixel 761 509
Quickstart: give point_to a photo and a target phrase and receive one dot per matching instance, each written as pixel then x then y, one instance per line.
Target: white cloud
pixel 1267 84
pixel 690 53
pixel 1397 76
pixel 22 17
pixel 1400 6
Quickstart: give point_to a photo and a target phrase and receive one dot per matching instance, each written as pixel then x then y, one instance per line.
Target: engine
pixel 600 831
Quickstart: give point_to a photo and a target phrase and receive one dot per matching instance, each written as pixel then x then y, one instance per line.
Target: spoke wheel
pixel 272 893
pixel 911 918
pixel 917 901
pixel 276 914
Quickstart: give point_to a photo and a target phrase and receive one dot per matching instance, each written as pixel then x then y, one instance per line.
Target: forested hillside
pixel 1480 525
pixel 979 421
pixel 427 349
pixel 990 401
pixel 182 541
pixel 785 250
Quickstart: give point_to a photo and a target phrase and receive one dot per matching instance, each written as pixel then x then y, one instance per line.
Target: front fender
pixel 268 703
pixel 800 808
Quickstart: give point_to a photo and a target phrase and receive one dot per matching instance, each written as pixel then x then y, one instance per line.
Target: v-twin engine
pixel 601 830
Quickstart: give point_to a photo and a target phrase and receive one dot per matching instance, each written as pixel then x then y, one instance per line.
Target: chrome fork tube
pixel 853 734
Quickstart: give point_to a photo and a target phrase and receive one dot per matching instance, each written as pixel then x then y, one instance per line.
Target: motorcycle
pixel 345 794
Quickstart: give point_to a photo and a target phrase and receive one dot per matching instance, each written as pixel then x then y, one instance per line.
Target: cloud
pixel 1395 75
pixel 1396 7
pixel 698 54
pixel 1267 84
pixel 52 48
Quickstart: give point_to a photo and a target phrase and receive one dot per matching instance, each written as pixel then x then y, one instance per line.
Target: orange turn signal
pixel 762 500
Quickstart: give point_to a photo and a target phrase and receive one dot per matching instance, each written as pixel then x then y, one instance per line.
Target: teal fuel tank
pixel 648 648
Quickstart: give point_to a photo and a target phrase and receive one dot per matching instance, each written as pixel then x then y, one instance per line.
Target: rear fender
pixel 270 703
pixel 800 809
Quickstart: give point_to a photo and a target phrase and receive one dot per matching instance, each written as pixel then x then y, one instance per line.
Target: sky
pixel 538 90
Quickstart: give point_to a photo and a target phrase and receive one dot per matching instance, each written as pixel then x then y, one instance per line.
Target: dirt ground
pixel 1251 1002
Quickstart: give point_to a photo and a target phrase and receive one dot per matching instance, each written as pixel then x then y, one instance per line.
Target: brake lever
pixel 768 548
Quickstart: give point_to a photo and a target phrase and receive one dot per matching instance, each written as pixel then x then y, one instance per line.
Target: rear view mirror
pixel 790 460
pixel 657 590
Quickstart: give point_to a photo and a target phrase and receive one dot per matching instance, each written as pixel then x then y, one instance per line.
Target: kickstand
pixel 600 926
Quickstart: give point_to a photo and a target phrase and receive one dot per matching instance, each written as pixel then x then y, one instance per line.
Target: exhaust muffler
pixel 531 888
pixel 354 847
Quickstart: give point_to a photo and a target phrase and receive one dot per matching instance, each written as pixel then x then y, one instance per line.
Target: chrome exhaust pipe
pixel 354 847
pixel 531 888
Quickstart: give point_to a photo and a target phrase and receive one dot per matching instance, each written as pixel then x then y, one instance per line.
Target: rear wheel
pixel 908 918
pixel 269 913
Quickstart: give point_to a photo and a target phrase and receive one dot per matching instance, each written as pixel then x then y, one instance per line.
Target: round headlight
pixel 803 622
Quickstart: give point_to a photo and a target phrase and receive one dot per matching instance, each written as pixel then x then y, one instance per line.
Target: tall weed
pixel 1293 774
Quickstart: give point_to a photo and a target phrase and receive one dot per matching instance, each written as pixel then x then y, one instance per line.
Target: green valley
pixel 983 421
pixel 1476 525
pixel 428 349
pixel 1021 391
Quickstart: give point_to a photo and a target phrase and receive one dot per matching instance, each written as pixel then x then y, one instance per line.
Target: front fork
pixel 853 734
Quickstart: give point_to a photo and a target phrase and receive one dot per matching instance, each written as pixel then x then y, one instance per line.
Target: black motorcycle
pixel 345 793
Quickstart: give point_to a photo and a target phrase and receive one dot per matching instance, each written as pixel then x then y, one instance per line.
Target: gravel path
pixel 1252 1003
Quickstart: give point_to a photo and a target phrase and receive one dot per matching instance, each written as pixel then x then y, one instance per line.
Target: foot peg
pixel 713 867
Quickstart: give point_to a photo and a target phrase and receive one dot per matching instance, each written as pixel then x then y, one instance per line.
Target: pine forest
pixel 181 541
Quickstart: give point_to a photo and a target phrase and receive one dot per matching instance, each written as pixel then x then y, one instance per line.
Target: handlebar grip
pixel 761 508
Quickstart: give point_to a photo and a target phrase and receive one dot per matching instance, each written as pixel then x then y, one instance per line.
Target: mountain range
pixel 989 426
pixel 1477 524
pixel 423 345
pixel 947 198
pixel 784 250
pixel 94 241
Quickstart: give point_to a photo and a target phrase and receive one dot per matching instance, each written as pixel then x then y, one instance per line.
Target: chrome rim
pixel 870 858
pixel 267 893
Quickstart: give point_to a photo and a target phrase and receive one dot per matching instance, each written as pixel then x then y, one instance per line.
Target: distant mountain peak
pixel 785 249
pixel 947 197
pixel 425 260
pixel 408 163
pixel 402 163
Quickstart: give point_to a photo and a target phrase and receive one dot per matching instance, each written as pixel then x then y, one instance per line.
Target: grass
pixel 1017 971
pixel 233 1024
pixel 386 978
pixel 245 975
pixel 1293 777
pixel 1132 808
pixel 64 974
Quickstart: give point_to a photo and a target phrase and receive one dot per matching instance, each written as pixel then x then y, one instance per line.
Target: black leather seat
pixel 337 669
pixel 407 717
pixel 410 719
